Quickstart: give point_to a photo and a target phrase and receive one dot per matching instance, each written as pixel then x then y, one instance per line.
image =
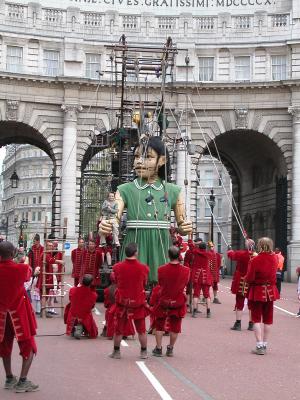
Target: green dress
pixel 148 220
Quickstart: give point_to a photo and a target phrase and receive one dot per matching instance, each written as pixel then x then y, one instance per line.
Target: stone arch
pixel 12 130
pixel 255 162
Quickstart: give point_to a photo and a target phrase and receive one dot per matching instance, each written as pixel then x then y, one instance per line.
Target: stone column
pixel 69 170
pixel 183 170
pixel 183 176
pixel 294 246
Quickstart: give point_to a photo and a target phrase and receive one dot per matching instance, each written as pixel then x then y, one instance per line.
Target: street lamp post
pixel 212 203
pixel 22 226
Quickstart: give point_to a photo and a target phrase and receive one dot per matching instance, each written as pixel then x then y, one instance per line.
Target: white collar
pixel 146 185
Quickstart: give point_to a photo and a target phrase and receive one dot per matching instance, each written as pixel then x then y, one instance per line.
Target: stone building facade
pixel 241 86
pixel 31 201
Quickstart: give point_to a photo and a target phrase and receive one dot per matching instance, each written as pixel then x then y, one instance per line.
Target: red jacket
pixel 261 277
pixel 35 256
pixel 215 264
pixel 77 258
pixel 14 300
pixel 172 279
pixel 82 301
pixel 200 269
pixel 131 278
pixel 242 257
pixel 91 264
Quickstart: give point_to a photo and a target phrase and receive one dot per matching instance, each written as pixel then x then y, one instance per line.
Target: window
pixel 53 16
pixel 130 22
pixel 205 23
pixel 206 69
pixel 40 199
pixel 92 19
pixel 242 22
pixel 51 62
pixel 207 212
pixel 166 23
pixel 242 68
pixel 33 216
pixel 92 66
pixel 205 237
pixel 14 59
pixel 279 20
pixel 278 68
pixel 219 207
pixel 39 216
pixel 208 178
pixel 16 11
pixel 34 200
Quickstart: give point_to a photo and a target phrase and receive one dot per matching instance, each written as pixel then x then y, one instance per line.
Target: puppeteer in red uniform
pixel 215 265
pixel 261 277
pixel 79 311
pixel 35 254
pixel 239 286
pixel 91 263
pixel 17 317
pixel 109 304
pixel 171 303
pixel 201 276
pixel 77 258
pixel 130 299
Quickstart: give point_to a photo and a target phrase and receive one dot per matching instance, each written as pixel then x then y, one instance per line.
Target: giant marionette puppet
pixel 149 200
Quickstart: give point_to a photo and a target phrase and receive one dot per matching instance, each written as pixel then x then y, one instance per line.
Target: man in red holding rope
pixel 239 286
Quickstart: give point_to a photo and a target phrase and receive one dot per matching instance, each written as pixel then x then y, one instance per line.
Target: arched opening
pixel 26 204
pixel 106 164
pixel 259 184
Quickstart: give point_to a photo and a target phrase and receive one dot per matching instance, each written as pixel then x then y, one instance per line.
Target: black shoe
pixel 169 352
pixel 78 331
pixel 216 301
pixel 157 352
pixel 236 327
pixel 208 314
pixel 250 326
pixel 194 313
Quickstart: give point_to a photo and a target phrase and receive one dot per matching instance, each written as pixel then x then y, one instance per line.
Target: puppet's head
pixel 151 159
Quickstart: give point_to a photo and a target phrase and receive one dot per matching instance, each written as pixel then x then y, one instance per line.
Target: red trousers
pixel 6 346
pixel 261 311
pixel 174 324
pixel 239 302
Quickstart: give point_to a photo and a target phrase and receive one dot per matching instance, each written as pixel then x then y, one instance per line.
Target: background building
pixel 31 201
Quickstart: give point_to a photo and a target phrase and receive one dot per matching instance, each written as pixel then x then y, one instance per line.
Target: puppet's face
pixel 146 165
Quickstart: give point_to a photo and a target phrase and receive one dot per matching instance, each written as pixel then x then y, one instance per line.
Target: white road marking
pixel 278 308
pixel 154 382
pixel 124 344
pixel 286 311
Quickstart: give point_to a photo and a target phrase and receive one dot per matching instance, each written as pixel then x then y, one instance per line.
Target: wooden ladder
pixel 58 234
